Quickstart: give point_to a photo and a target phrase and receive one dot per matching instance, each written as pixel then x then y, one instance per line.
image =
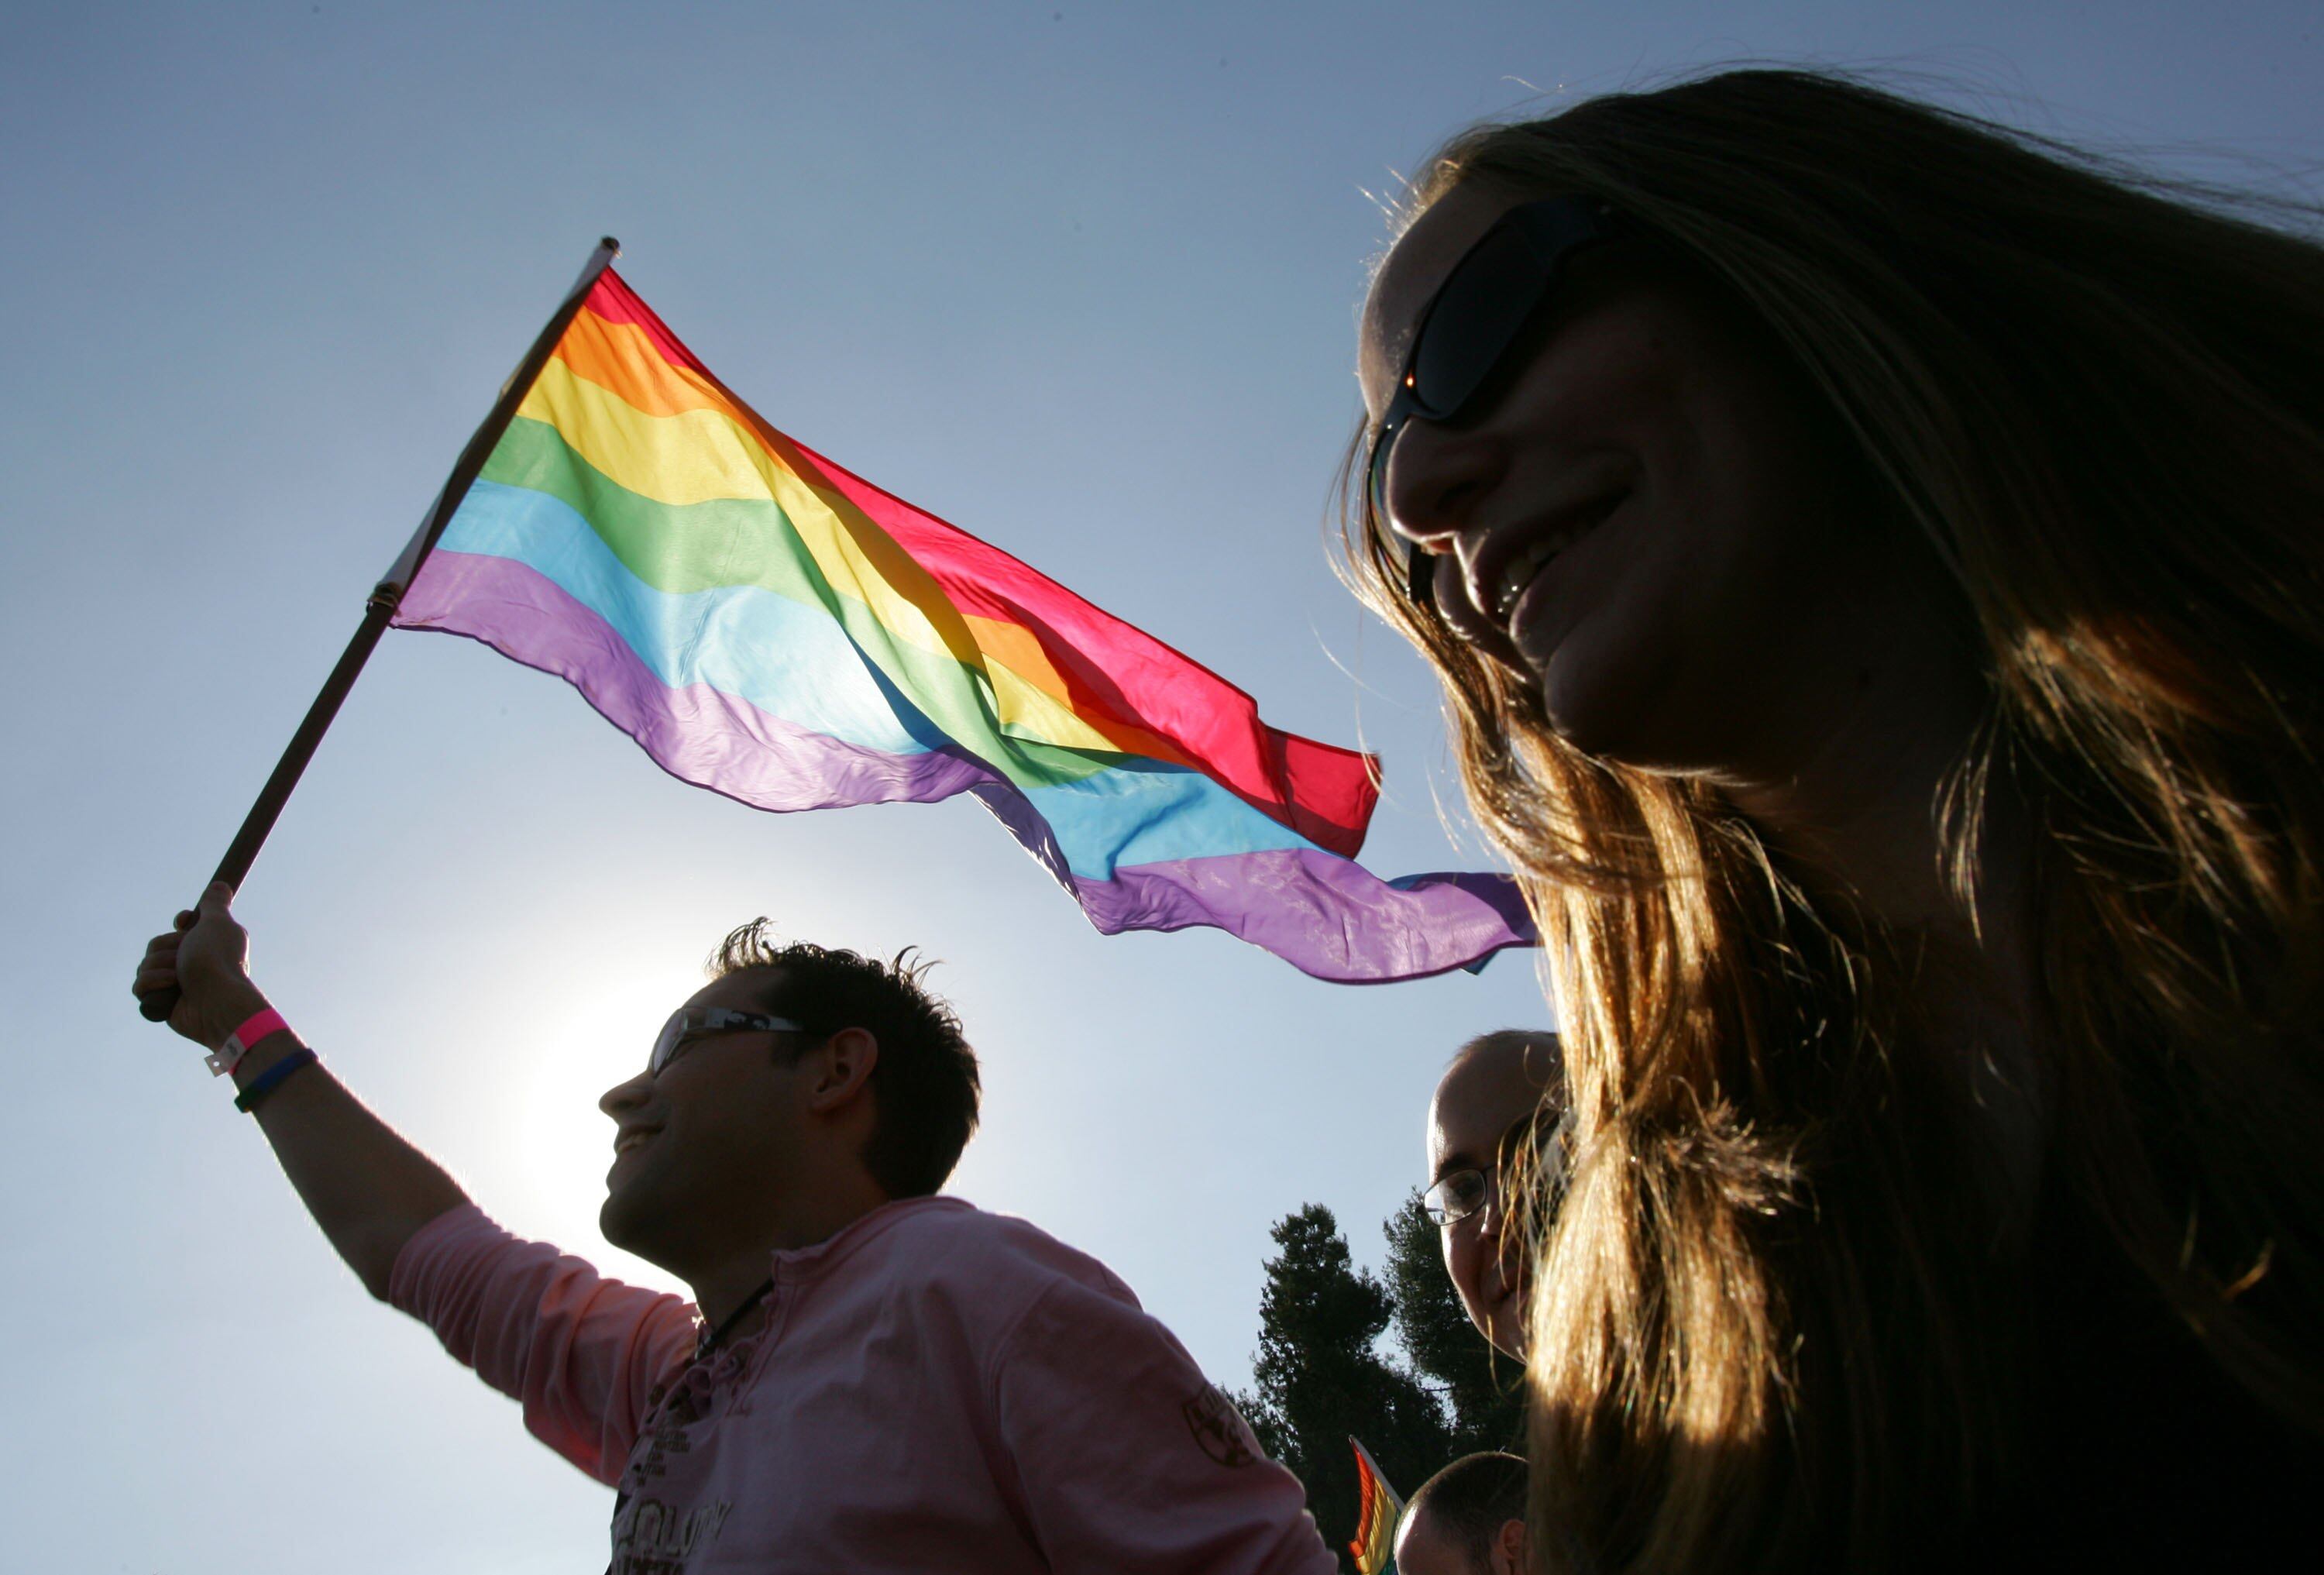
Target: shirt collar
pixel 798 1263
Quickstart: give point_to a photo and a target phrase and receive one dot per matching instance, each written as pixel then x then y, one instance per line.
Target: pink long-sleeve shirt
pixel 936 1389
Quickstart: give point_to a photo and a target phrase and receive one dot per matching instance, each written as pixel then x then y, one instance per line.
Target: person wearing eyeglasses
pixel 871 1377
pixel 1488 1104
pixel 1872 556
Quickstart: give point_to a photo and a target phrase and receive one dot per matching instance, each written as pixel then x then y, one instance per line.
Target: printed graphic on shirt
pixel 654 1538
pixel 649 1456
pixel 1219 1427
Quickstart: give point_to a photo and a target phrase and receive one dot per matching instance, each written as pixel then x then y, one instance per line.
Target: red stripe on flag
pixel 614 301
pixel 1111 668
pixel 1322 791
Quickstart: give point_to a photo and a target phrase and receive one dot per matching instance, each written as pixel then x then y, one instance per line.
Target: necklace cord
pixel 708 1340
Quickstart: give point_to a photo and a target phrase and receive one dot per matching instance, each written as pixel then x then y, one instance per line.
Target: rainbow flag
pixel 771 626
pixel 1377 1509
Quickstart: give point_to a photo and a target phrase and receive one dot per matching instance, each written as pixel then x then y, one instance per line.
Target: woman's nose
pixel 1436 474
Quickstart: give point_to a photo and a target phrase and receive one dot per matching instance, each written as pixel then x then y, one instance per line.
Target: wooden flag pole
pixel 379 607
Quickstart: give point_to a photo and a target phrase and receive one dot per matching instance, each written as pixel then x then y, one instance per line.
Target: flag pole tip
pixel 610 245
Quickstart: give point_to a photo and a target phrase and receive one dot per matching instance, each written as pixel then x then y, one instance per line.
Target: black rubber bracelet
pixel 266 1081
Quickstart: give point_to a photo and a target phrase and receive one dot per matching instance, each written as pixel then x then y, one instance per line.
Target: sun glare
pixel 565 1144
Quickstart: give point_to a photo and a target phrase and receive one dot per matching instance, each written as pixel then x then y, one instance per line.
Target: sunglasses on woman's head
pixel 1477 313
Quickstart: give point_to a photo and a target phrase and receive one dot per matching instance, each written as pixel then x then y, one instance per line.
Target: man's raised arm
pixel 366 1186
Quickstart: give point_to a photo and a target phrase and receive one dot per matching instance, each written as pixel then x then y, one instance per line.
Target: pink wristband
pixel 238 1044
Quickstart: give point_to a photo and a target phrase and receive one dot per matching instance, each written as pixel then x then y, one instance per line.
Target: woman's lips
pixel 1517 574
pixel 1519 571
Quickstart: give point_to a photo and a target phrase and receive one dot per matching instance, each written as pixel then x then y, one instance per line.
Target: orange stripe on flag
pixel 1378 1510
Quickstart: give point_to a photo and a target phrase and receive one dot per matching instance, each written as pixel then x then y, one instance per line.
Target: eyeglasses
pixel 690 1025
pixel 1463 1192
pixel 1459 1195
pixel 1466 330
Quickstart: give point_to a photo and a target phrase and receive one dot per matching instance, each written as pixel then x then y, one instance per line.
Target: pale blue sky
pixel 1081 279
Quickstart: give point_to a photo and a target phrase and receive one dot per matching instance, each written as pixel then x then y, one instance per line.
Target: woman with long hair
pixel 1876 564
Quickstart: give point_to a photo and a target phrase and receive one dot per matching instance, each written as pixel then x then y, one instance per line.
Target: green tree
pixel 1482 1390
pixel 1321 1378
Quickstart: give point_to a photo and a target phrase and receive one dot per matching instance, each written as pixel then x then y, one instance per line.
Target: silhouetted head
pixel 801 1082
pixel 1481 1124
pixel 1468 1519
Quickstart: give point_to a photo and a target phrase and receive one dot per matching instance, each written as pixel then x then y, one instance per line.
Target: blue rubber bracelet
pixel 265 1083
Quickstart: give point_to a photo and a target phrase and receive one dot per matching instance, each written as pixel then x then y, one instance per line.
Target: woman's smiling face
pixel 1645 513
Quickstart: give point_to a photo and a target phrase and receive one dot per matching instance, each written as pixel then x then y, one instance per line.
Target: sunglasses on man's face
pixel 1477 314
pixel 691 1024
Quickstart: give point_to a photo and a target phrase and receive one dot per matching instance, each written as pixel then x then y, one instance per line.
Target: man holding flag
pixel 916 1385
pixel 871 1377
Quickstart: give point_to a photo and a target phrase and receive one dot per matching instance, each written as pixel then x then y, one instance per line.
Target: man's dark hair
pixel 1471 1499
pixel 926 1077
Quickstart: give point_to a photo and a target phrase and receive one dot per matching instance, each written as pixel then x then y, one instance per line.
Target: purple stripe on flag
pixel 696 733
pixel 1326 916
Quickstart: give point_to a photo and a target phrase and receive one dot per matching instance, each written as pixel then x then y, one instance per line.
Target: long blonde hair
pixel 1771 1323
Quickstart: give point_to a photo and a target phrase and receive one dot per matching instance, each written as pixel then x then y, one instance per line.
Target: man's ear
pixel 843 1066
pixel 1510 1549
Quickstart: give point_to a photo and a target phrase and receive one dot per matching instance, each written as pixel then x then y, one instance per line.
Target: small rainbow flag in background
pixel 769 626
pixel 1377 1509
